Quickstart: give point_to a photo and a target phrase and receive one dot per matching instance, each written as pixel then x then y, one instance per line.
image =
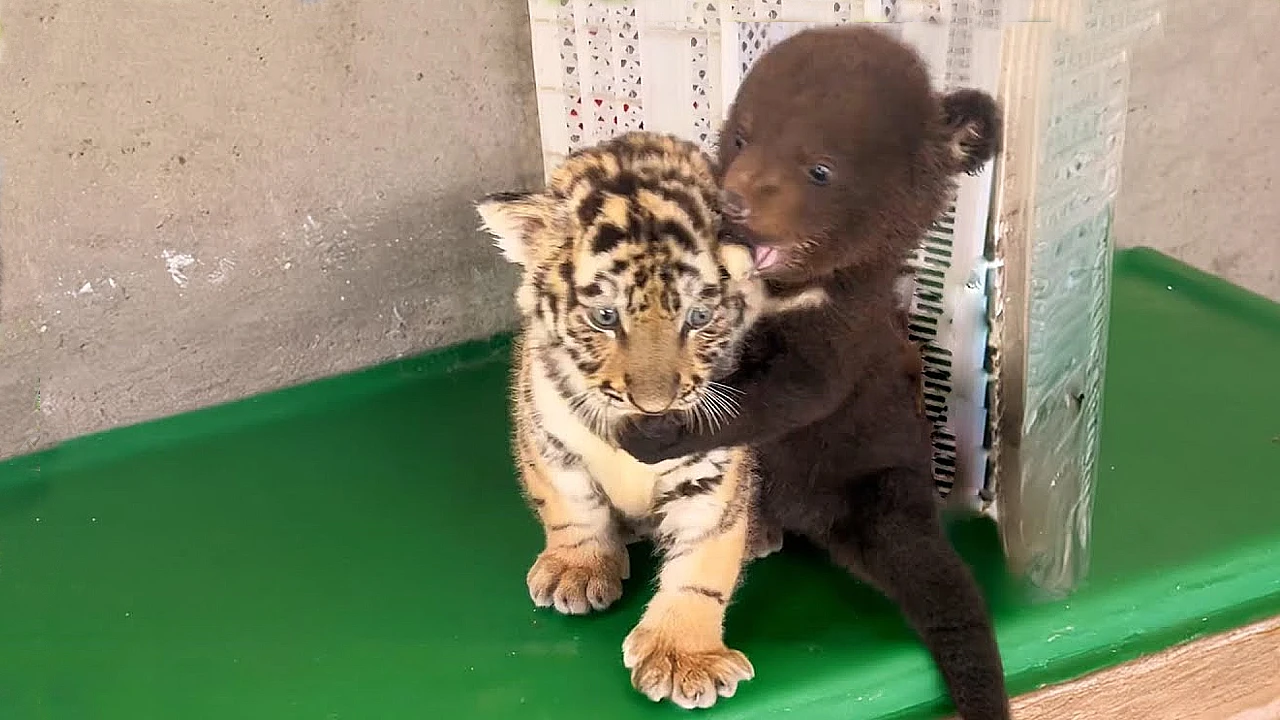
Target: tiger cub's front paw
pixel 677 666
pixel 576 581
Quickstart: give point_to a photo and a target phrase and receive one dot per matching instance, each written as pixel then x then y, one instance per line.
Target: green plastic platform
pixel 355 548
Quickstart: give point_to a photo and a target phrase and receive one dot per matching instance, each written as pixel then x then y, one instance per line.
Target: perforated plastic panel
pixel 674 66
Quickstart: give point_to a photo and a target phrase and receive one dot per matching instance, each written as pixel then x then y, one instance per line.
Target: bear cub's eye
pixel 819 174
pixel 739 141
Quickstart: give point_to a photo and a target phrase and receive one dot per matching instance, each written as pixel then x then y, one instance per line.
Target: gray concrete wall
pixel 211 198
pixel 208 199
pixel 1201 177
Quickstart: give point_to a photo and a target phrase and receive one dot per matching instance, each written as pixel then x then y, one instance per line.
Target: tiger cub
pixel 631 305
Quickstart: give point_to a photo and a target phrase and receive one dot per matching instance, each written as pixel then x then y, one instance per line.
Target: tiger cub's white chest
pixel 630 485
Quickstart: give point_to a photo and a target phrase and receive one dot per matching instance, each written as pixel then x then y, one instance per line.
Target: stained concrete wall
pixel 207 199
pixel 1201 176
pixel 211 198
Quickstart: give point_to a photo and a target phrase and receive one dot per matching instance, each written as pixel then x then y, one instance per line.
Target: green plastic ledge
pixel 355 548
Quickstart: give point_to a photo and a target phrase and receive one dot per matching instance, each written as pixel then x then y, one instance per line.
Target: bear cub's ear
pixel 972 125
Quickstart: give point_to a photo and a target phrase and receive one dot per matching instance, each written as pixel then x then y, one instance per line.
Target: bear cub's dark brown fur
pixel 837 156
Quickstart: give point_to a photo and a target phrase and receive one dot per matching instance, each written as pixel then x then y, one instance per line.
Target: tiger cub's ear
pixel 515 221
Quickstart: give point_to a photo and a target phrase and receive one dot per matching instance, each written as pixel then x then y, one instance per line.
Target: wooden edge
pixel 1234 675
pixel 1023 73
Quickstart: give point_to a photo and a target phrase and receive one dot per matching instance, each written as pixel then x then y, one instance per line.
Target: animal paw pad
pixel 576 582
pixel 662 668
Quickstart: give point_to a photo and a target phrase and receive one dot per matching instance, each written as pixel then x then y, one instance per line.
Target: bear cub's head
pixel 837 154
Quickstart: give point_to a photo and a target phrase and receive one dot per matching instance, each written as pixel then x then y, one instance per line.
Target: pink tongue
pixel 765 256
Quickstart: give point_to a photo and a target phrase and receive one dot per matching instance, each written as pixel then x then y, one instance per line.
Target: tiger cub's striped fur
pixel 629 305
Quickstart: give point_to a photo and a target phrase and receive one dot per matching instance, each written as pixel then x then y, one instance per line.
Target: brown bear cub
pixel 836 157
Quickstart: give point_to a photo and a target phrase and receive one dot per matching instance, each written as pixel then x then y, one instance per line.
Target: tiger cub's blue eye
pixel 603 318
pixel 698 317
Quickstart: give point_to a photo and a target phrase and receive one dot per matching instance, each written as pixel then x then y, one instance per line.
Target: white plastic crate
pixel 604 67
pixel 674 66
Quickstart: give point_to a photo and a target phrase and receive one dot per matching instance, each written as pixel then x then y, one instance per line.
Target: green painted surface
pixel 355 548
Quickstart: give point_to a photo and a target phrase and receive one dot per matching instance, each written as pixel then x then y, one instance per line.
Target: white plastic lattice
pixel 674 66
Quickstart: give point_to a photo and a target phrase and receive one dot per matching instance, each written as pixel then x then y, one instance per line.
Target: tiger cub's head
pixel 628 297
